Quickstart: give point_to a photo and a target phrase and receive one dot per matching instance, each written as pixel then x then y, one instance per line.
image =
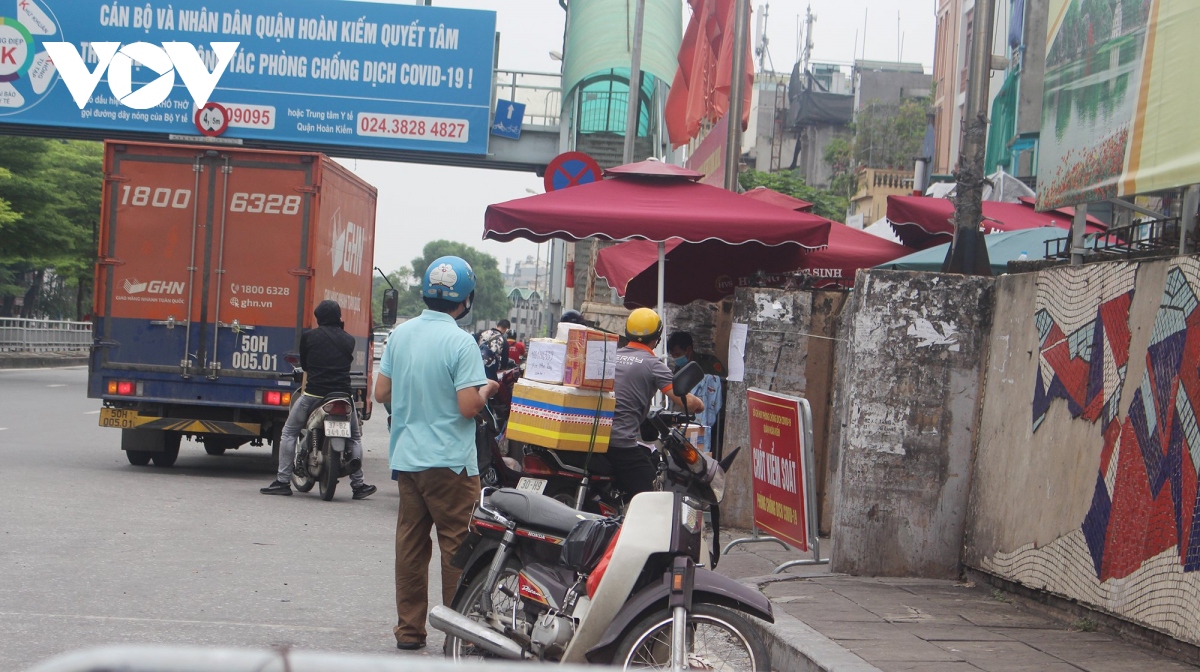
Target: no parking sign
pixel 570 169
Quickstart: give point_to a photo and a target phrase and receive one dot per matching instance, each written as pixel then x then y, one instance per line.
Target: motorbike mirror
pixel 390 299
pixel 728 459
pixel 686 379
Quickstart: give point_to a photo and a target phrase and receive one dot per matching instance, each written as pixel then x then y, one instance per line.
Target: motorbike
pixel 544 581
pixel 321 454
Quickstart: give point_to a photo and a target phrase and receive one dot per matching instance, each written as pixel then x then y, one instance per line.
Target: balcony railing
pixel 1158 236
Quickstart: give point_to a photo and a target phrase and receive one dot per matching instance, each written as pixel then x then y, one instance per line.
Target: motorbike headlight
pixel 691 517
pixel 718 484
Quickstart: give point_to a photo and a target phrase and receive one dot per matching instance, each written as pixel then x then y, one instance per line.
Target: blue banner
pixel 335 73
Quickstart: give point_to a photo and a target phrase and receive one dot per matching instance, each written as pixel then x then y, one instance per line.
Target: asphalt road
pixel 96 551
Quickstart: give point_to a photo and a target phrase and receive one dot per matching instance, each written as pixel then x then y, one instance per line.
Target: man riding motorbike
pixel 326 354
pixel 640 374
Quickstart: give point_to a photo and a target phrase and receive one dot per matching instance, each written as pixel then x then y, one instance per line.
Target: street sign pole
pixel 733 141
pixel 633 103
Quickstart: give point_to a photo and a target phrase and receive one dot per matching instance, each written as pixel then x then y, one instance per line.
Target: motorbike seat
pixel 538 510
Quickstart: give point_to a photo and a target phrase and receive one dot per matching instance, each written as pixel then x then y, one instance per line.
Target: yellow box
pixel 560 417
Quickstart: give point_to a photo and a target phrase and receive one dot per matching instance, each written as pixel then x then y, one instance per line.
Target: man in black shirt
pixel 326 354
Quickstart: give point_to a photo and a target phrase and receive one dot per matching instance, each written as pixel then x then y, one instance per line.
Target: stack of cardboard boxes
pixel 565 400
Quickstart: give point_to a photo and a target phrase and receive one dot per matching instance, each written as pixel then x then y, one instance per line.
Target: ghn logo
pixel 347 247
pixel 118 60
pixel 132 286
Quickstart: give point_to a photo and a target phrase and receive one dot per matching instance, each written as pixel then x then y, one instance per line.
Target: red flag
pixel 700 89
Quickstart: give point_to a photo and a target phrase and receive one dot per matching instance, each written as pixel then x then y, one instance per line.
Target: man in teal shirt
pixel 432 374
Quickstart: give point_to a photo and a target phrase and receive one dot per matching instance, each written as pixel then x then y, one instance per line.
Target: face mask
pixel 681 361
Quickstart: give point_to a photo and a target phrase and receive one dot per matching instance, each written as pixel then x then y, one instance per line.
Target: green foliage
pixel 49 205
pixel 825 202
pixel 839 154
pixel 889 135
pixel 491 303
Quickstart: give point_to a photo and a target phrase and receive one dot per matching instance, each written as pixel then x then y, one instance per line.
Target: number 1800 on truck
pixel 210 263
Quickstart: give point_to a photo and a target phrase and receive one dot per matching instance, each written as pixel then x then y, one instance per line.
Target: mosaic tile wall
pixel 1137 550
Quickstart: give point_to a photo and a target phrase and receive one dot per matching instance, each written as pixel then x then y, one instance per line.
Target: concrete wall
pixel 908 382
pixel 1085 481
pixel 789 349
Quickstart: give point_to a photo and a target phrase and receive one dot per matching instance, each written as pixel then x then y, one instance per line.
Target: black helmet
pixel 573 317
pixel 328 313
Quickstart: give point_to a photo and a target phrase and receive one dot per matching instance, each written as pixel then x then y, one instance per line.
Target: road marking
pixel 91 412
pixel 3 429
pixel 86 617
pixel 57 385
pixel 45 368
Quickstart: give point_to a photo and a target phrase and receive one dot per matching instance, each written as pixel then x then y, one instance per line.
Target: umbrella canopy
pixel 710 271
pixel 646 201
pixel 1002 248
pixel 775 198
pixel 922 222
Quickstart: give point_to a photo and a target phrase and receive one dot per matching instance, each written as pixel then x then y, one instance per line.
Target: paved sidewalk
pixel 897 625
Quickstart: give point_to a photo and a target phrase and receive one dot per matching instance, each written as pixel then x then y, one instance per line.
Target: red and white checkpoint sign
pixel 777 436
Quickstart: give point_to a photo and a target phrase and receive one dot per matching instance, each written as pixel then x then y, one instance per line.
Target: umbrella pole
pixel 662 313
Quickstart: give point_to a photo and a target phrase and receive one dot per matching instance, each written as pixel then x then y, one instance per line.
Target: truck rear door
pixel 204 270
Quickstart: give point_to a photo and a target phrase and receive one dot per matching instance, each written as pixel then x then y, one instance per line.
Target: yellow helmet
pixel 643 325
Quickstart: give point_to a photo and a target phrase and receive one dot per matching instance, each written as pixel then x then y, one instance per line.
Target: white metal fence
pixel 22 335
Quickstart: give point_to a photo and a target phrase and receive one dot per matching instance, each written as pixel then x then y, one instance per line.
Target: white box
pixel 564 328
pixel 545 360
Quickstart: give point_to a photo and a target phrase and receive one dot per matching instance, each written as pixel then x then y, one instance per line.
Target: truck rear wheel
pixel 170 451
pixel 138 458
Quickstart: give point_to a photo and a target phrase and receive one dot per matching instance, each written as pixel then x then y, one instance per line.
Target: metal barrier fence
pixel 540 92
pixel 24 335
pixel 138 658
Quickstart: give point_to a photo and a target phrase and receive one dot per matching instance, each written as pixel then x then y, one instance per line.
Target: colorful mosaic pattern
pixel 1145 500
pixel 1082 320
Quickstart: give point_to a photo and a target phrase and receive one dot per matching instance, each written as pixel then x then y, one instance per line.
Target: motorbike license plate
pixel 337 428
pixel 534 485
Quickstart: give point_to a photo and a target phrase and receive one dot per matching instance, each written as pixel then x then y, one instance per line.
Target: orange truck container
pixel 210 263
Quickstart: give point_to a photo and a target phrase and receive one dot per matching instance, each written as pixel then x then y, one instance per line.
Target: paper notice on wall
pixel 601 362
pixel 737 352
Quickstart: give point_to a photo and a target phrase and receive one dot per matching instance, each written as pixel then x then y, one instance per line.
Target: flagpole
pixel 633 103
pixel 733 141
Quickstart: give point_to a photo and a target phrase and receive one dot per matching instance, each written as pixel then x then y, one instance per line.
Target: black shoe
pixel 409 646
pixel 277 488
pixel 363 491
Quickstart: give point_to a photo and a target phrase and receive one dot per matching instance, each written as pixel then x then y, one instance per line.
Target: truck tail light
pixel 125 388
pixel 292 358
pixel 273 397
pixel 337 407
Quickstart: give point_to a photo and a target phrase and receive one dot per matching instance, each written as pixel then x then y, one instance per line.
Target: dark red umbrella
pixel 711 270
pixel 922 221
pixel 651 201
pixel 775 198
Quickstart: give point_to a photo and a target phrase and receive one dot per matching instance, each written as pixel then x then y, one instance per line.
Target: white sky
pixel 421 203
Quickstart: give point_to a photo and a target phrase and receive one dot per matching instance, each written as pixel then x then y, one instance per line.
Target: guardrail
pixel 138 658
pixel 539 92
pixel 26 335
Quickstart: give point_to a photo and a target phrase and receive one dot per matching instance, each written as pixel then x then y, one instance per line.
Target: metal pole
pixel 635 83
pixel 733 141
pixel 968 254
pixel 662 278
pixel 1187 218
pixel 1077 227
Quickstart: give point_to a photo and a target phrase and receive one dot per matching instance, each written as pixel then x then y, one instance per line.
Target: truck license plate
pixel 337 428
pixel 534 485
pixel 119 418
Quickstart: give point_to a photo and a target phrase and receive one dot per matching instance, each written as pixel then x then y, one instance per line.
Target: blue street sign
pixel 324 73
pixel 506 123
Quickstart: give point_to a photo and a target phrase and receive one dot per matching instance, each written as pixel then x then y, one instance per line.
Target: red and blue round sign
pixel 571 169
